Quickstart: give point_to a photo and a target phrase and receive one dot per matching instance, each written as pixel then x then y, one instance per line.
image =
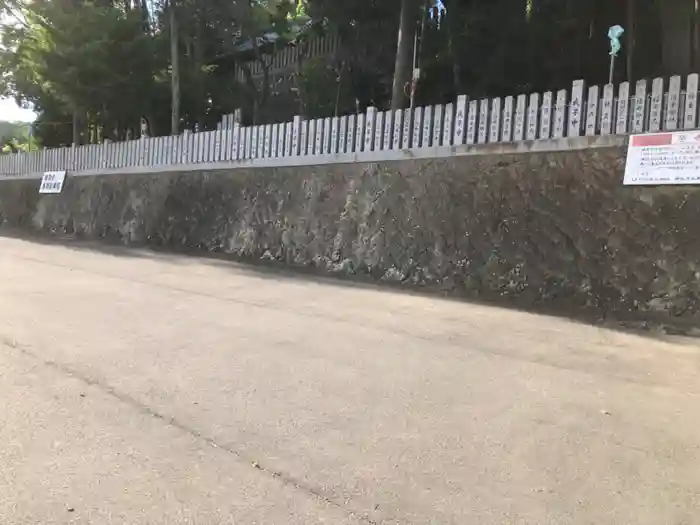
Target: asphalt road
pixel 139 388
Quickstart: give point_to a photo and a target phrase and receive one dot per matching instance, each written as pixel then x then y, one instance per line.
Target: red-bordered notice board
pixel 663 158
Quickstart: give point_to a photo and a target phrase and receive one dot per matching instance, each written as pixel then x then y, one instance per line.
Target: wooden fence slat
pixel 519 123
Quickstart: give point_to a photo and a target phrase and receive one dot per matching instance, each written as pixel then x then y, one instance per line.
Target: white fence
pixel 659 105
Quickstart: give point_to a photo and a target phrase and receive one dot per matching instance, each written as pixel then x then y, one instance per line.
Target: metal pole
pixel 612 69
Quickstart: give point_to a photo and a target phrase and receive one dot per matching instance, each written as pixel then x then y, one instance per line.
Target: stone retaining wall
pixel 555 229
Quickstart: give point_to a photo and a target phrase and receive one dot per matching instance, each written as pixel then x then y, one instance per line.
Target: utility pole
pixel 174 71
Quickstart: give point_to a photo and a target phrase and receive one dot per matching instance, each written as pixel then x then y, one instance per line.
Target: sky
pixel 10 111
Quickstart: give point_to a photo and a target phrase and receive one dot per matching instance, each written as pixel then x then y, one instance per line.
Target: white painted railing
pixel 593 111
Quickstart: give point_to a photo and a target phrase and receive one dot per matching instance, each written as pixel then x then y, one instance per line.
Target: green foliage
pixel 318 88
pixel 105 64
pixel 15 136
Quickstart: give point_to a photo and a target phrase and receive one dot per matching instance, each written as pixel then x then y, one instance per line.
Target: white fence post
pixel 657 104
pixel 690 114
pixel 327 134
pixel 318 136
pixel 592 111
pixel 483 120
pixel 507 133
pixel 427 126
pixel 281 136
pixel 639 111
pixel 406 135
pixel 335 125
pixel 606 113
pixel 576 108
pixel 437 125
pixel 560 114
pixel 447 127
pixel 417 127
pixel 460 120
pixel 519 126
pixel 388 126
pixel 623 106
pixel 350 136
pixel 296 132
pixel 398 127
pixel 268 141
pixel 495 122
pixel 370 124
pixel 546 116
pixel 360 133
pixel 343 134
pixel 256 139
pixel 379 131
pixel 311 137
pixel 673 103
pixel 532 114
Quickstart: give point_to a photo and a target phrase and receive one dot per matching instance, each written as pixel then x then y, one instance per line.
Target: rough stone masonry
pixel 548 229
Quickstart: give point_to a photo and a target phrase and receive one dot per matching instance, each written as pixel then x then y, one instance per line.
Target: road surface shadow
pixel 657 327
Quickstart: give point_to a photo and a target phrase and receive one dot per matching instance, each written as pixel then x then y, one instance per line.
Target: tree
pixel 174 69
pixel 404 48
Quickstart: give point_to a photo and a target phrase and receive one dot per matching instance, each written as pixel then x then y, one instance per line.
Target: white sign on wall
pixel 52 182
pixel 663 158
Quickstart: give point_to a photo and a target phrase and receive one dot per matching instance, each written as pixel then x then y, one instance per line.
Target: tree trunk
pixel 631 24
pixel 454 57
pixel 404 47
pixel 76 127
pixel 174 73
pixel 696 38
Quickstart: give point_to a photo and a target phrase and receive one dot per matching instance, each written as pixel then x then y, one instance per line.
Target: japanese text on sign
pixel 52 182
pixel 663 158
